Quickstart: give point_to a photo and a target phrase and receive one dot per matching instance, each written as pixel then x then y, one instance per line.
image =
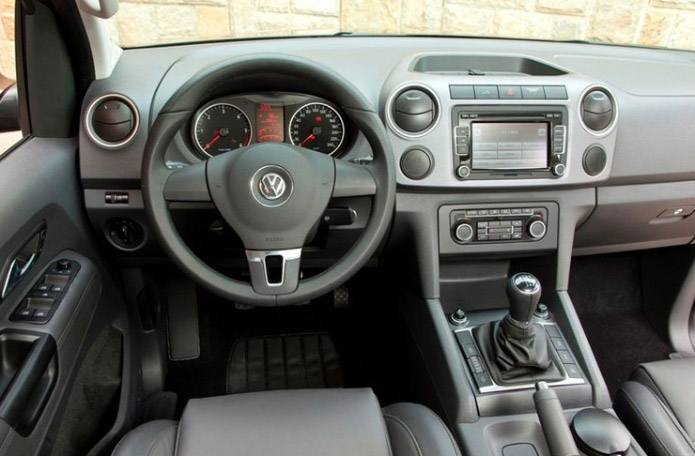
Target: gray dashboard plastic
pixel 650 142
pixel 642 84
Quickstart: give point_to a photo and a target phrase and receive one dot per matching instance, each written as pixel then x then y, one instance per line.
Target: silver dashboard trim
pixel 496 388
pixel 87 121
pixel 606 131
pixel 389 104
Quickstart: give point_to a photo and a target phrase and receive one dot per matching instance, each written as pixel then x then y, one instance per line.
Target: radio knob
pixel 559 169
pixel 464 232
pixel 537 229
pixel 463 171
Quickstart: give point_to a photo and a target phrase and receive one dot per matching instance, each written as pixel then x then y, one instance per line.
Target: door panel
pixel 39 190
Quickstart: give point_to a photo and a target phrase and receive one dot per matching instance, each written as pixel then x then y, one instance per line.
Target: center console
pixel 531 392
pixel 499 157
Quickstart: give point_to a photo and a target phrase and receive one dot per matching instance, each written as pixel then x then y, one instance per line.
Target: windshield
pixel 663 23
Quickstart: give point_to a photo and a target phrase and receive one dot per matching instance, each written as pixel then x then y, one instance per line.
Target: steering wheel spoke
pixel 274 272
pixel 352 180
pixel 187 184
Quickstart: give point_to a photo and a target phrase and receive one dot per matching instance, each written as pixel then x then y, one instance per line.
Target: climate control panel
pixel 499 224
pixel 498 228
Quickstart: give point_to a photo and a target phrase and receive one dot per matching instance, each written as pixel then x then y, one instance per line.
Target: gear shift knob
pixel 524 292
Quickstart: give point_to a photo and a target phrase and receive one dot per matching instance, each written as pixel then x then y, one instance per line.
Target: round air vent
pixel 112 121
pixel 597 110
pixel 413 111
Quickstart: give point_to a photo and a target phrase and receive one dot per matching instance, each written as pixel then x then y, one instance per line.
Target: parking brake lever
pixel 555 428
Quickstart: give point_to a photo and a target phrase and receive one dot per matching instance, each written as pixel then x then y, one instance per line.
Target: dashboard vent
pixel 112 121
pixel 414 111
pixel 598 110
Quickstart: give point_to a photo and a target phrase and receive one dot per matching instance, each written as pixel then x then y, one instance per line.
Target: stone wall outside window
pixel 669 23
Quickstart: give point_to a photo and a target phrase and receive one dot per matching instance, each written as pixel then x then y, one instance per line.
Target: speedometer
pixel 318 127
pixel 221 127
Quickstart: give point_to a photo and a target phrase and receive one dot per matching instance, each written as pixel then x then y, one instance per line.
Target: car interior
pixel 355 244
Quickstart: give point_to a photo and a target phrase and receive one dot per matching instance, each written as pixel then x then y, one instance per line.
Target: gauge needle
pixel 308 138
pixel 212 141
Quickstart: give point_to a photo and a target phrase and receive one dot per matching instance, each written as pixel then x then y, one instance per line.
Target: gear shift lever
pixel 524 292
pixel 516 348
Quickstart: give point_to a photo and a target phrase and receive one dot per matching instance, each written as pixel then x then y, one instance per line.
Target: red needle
pixel 217 136
pixel 308 138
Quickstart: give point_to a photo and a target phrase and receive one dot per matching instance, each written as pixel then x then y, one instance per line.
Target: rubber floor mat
pixel 283 362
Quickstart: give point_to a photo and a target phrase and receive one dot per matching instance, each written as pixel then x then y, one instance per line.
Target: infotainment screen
pixel 509 145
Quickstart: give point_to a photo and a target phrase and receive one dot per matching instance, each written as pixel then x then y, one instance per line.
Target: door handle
pixel 22 261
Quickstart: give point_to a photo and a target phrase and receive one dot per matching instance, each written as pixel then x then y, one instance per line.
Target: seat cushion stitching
pixel 407 430
pixel 448 433
pixel 663 401
pixel 156 440
pixel 646 422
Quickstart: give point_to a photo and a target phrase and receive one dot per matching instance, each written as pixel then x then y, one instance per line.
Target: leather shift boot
pixel 516 355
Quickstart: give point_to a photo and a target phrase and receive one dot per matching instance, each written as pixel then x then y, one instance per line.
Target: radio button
pixel 486 92
pixel 516 211
pixel 537 229
pixel 494 212
pixel 463 130
pixel 559 169
pixel 555 92
pixel 463 171
pixel 533 92
pixel 461 92
pixel 462 150
pixel 510 92
pixel 482 212
pixel 464 232
pixel 505 211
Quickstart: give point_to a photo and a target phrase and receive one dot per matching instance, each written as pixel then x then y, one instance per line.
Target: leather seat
pixel 294 423
pixel 658 406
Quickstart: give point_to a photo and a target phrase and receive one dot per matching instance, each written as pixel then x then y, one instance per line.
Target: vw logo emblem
pixel 272 186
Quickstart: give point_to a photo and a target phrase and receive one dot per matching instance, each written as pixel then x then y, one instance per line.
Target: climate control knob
pixel 463 232
pixel 537 229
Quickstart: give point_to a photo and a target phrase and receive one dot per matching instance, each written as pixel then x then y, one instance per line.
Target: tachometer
pixel 318 127
pixel 221 127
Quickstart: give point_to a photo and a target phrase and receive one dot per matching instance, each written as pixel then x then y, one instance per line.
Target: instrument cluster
pixel 232 122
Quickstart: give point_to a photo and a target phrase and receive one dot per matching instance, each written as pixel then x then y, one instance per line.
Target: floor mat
pixel 607 294
pixel 283 362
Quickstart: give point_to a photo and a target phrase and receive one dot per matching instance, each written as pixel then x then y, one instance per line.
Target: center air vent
pixel 112 121
pixel 598 110
pixel 414 111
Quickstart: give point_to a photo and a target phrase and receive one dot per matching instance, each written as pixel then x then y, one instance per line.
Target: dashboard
pixel 593 140
pixel 231 122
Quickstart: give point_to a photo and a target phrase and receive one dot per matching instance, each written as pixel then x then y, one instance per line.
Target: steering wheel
pixel 272 195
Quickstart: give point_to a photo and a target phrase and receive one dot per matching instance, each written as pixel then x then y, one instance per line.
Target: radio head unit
pixel 501 142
